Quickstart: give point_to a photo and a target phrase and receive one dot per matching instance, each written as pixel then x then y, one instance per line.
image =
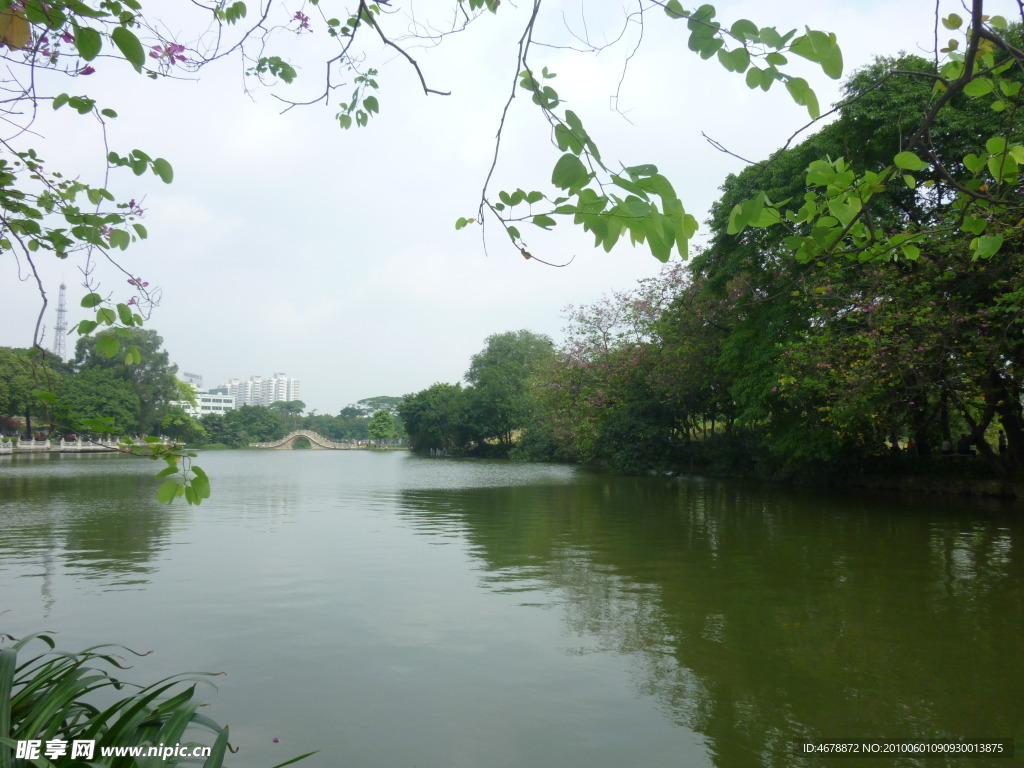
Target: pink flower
pixel 67 37
pixel 87 70
pixel 172 53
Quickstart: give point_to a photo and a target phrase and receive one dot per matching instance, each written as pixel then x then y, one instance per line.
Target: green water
pixel 393 611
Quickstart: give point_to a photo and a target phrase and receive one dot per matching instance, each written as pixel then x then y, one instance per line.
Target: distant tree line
pixel 102 395
pixel 369 419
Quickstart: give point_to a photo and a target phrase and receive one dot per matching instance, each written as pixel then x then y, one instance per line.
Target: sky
pixel 286 244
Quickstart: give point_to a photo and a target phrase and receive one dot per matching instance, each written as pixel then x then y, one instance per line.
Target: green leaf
pixel 974 225
pixel 986 246
pixel 973 163
pixel 91 300
pixel 168 491
pixel 736 60
pixel 163 169
pixel 822 48
pixel 200 485
pixel 569 172
pixel 953 21
pixel 979 86
pixel 44 395
pixel 566 139
pixel 770 37
pixel 119 238
pixel 108 346
pixel 1002 166
pixel 803 95
pixel 745 30
pixel 130 47
pixel 996 145
pixel 125 313
pixel 636 171
pixel 674 9
pixel 909 161
pixel 88 41
pixel 545 222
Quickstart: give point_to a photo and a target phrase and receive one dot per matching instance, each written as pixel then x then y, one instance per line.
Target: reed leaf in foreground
pixel 51 697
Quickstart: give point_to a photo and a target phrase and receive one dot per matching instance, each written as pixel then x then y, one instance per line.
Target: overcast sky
pixel 286 244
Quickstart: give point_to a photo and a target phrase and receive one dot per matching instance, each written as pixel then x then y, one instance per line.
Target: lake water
pixel 394 611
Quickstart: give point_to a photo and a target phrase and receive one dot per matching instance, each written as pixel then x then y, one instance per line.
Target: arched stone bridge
pixel 315 439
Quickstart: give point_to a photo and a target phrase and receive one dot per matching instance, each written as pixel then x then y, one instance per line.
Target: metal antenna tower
pixel 61 330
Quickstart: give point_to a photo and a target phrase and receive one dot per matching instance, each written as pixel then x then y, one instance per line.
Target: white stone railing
pixel 64 446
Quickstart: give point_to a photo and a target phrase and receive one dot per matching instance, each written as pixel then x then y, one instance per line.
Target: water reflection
pixel 756 617
pixel 93 518
pixel 463 613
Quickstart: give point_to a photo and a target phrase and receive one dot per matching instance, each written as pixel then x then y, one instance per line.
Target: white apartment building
pixel 260 391
pixel 206 402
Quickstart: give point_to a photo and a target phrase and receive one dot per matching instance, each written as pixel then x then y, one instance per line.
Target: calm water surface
pixel 394 611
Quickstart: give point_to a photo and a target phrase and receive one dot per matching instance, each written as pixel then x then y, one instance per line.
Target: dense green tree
pixel 291 411
pixel 178 425
pixel 435 419
pixel 22 372
pixel 370 405
pixel 498 402
pixel 220 431
pixel 382 426
pixel 152 378
pixel 103 397
pixel 828 360
pixel 255 424
pixel 289 407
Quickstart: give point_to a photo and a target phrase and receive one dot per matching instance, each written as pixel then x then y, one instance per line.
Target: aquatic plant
pixel 73 709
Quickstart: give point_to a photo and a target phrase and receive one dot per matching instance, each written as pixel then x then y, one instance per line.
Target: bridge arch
pixel 316 441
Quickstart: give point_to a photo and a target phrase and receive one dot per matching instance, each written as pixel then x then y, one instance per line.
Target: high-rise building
pixel 260 391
